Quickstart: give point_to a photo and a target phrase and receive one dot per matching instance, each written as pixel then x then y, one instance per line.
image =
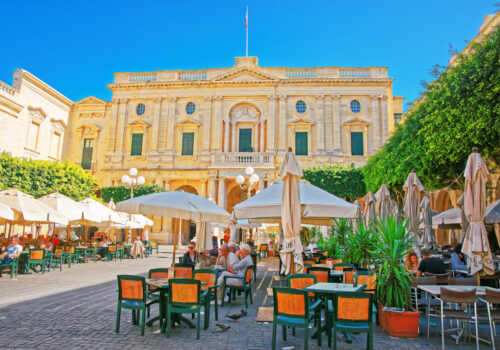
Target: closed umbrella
pixel 413 188
pixel 203 236
pixel 369 213
pixel 290 172
pixel 427 214
pixel 177 204
pixel 396 212
pixel 359 215
pixel 463 218
pixel 384 203
pixel 476 245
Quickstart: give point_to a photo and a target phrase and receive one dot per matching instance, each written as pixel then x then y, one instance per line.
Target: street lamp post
pixel 133 180
pixel 253 179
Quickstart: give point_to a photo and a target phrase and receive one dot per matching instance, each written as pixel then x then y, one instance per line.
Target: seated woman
pixel 412 262
pixel 13 251
pixel 190 257
pixel 458 260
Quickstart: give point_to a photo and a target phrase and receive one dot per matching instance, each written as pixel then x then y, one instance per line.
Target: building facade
pixel 198 130
pixel 33 118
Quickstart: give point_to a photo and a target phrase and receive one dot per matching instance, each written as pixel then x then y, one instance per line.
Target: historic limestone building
pixel 197 130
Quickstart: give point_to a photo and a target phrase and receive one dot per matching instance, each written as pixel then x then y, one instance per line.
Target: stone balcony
pixel 242 160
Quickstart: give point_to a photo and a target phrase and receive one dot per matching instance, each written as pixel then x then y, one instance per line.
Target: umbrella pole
pixel 86 232
pixel 68 230
pixel 175 245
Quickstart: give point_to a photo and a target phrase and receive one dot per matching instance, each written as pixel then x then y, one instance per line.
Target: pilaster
pixel 207 124
pixel 282 136
pixel 156 123
pixel 336 122
pixel 321 123
pixel 271 123
pixel 376 123
pixel 172 111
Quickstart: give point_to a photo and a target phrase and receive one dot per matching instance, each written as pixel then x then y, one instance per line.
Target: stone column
pixel 262 134
pixel 171 123
pixel 271 126
pixel 226 135
pixel 112 125
pixel 222 193
pixel 375 123
pixel 385 120
pixel 321 123
pixel 121 126
pixel 204 188
pixel 233 137
pixel 207 124
pixel 156 123
pixel 166 185
pixel 216 135
pixel 162 128
pixel 282 136
pixel 336 122
pixel 261 182
pixel 211 189
pixel 255 142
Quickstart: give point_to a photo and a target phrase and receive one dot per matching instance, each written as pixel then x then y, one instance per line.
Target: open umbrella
pixel 476 245
pixel 413 188
pixel 369 213
pixel 106 214
pixel 6 214
pixel 427 214
pixel 384 203
pixel 177 204
pixel 28 209
pixel 291 213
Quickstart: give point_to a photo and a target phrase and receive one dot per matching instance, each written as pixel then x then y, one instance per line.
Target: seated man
pixel 236 269
pixel 13 251
pixel 222 259
pixel 430 264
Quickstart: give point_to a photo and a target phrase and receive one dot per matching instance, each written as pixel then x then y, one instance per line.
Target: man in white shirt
pixel 13 251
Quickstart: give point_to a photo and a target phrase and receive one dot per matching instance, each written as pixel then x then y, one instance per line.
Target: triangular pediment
pixel 245 74
pixel 188 122
pixel 301 121
pixel 356 121
pixel 91 100
pixel 138 123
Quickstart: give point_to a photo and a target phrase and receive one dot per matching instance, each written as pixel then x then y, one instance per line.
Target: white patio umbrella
pixel 30 210
pixel 6 214
pixel 476 245
pixel 318 207
pixel 203 236
pixel 106 214
pixel 463 218
pixel 413 188
pixel 178 204
pixel 427 214
pixel 290 172
pixel 369 213
pixel 384 203
pixel 359 220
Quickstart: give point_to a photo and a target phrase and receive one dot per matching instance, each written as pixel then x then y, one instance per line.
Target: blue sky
pixel 76 46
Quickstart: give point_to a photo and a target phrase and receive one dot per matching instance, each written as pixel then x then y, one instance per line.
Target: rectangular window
pixel 301 143
pixel 33 131
pixel 88 149
pixel 357 147
pixel 397 117
pixel 245 140
pixel 136 149
pixel 187 143
pixel 55 145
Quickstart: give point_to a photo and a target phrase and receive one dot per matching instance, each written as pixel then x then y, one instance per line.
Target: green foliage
pixel 460 109
pixel 359 246
pixel 342 228
pixel 392 244
pixel 39 177
pixel 342 181
pixel 120 193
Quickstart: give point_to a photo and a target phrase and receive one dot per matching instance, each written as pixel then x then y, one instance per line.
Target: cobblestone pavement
pixel 75 309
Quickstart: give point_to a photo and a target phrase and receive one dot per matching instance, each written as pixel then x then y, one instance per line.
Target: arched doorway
pixel 443 202
pixel 188 227
pixel 236 195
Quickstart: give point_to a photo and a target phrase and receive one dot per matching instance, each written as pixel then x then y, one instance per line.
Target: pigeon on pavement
pixel 223 327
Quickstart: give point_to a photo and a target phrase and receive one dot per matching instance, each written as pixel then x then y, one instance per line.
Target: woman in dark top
pixel 191 257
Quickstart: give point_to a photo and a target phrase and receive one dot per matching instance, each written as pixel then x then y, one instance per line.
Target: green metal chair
pixel 352 313
pixel 113 252
pixel 13 266
pixel 132 295
pixel 209 291
pixel 245 286
pixel 154 246
pixel 183 270
pixel 36 257
pixel 254 259
pixel 184 298
pixel 56 258
pixel 322 273
pixel 293 309
pixel 154 292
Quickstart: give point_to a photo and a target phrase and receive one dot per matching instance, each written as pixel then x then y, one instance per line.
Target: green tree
pixel 39 177
pixel 120 193
pixel 342 181
pixel 459 110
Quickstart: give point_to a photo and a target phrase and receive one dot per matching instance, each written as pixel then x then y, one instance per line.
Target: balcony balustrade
pixel 242 159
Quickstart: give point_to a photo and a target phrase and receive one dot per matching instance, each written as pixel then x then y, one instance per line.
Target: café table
pixel 328 290
pixel 162 285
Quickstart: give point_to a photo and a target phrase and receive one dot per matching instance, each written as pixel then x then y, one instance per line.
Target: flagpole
pixel 246 27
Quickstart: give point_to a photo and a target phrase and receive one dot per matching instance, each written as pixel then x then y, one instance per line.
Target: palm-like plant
pixel 342 228
pixel 359 246
pixel 393 243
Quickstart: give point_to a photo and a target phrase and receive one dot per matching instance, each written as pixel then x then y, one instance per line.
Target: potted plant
pixel 395 312
pixel 360 246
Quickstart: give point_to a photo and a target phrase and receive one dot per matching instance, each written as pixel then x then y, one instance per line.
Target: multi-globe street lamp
pixel 253 179
pixel 133 180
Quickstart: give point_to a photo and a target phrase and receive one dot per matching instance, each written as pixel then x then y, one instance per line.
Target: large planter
pixel 399 324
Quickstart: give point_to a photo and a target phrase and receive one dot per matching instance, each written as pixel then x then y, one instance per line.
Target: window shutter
pixel 136 149
pixel 301 147
pixel 187 143
pixel 357 148
pixel 87 154
pixel 245 140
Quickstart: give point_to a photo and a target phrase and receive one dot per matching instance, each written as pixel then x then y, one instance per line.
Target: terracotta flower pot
pixel 399 324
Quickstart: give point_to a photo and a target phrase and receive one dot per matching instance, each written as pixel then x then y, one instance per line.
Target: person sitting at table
pixel 190 257
pixel 13 251
pixel 430 264
pixel 222 259
pixel 129 239
pixel 458 260
pixel 412 262
pixel 236 269
pixel 312 245
pixel 232 253
pixel 55 241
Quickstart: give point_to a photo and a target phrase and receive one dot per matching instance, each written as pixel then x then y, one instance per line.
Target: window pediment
pixel 37 114
pixel 356 121
pixel 58 124
pixel 88 130
pixel 188 123
pixel 138 124
pixel 301 121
